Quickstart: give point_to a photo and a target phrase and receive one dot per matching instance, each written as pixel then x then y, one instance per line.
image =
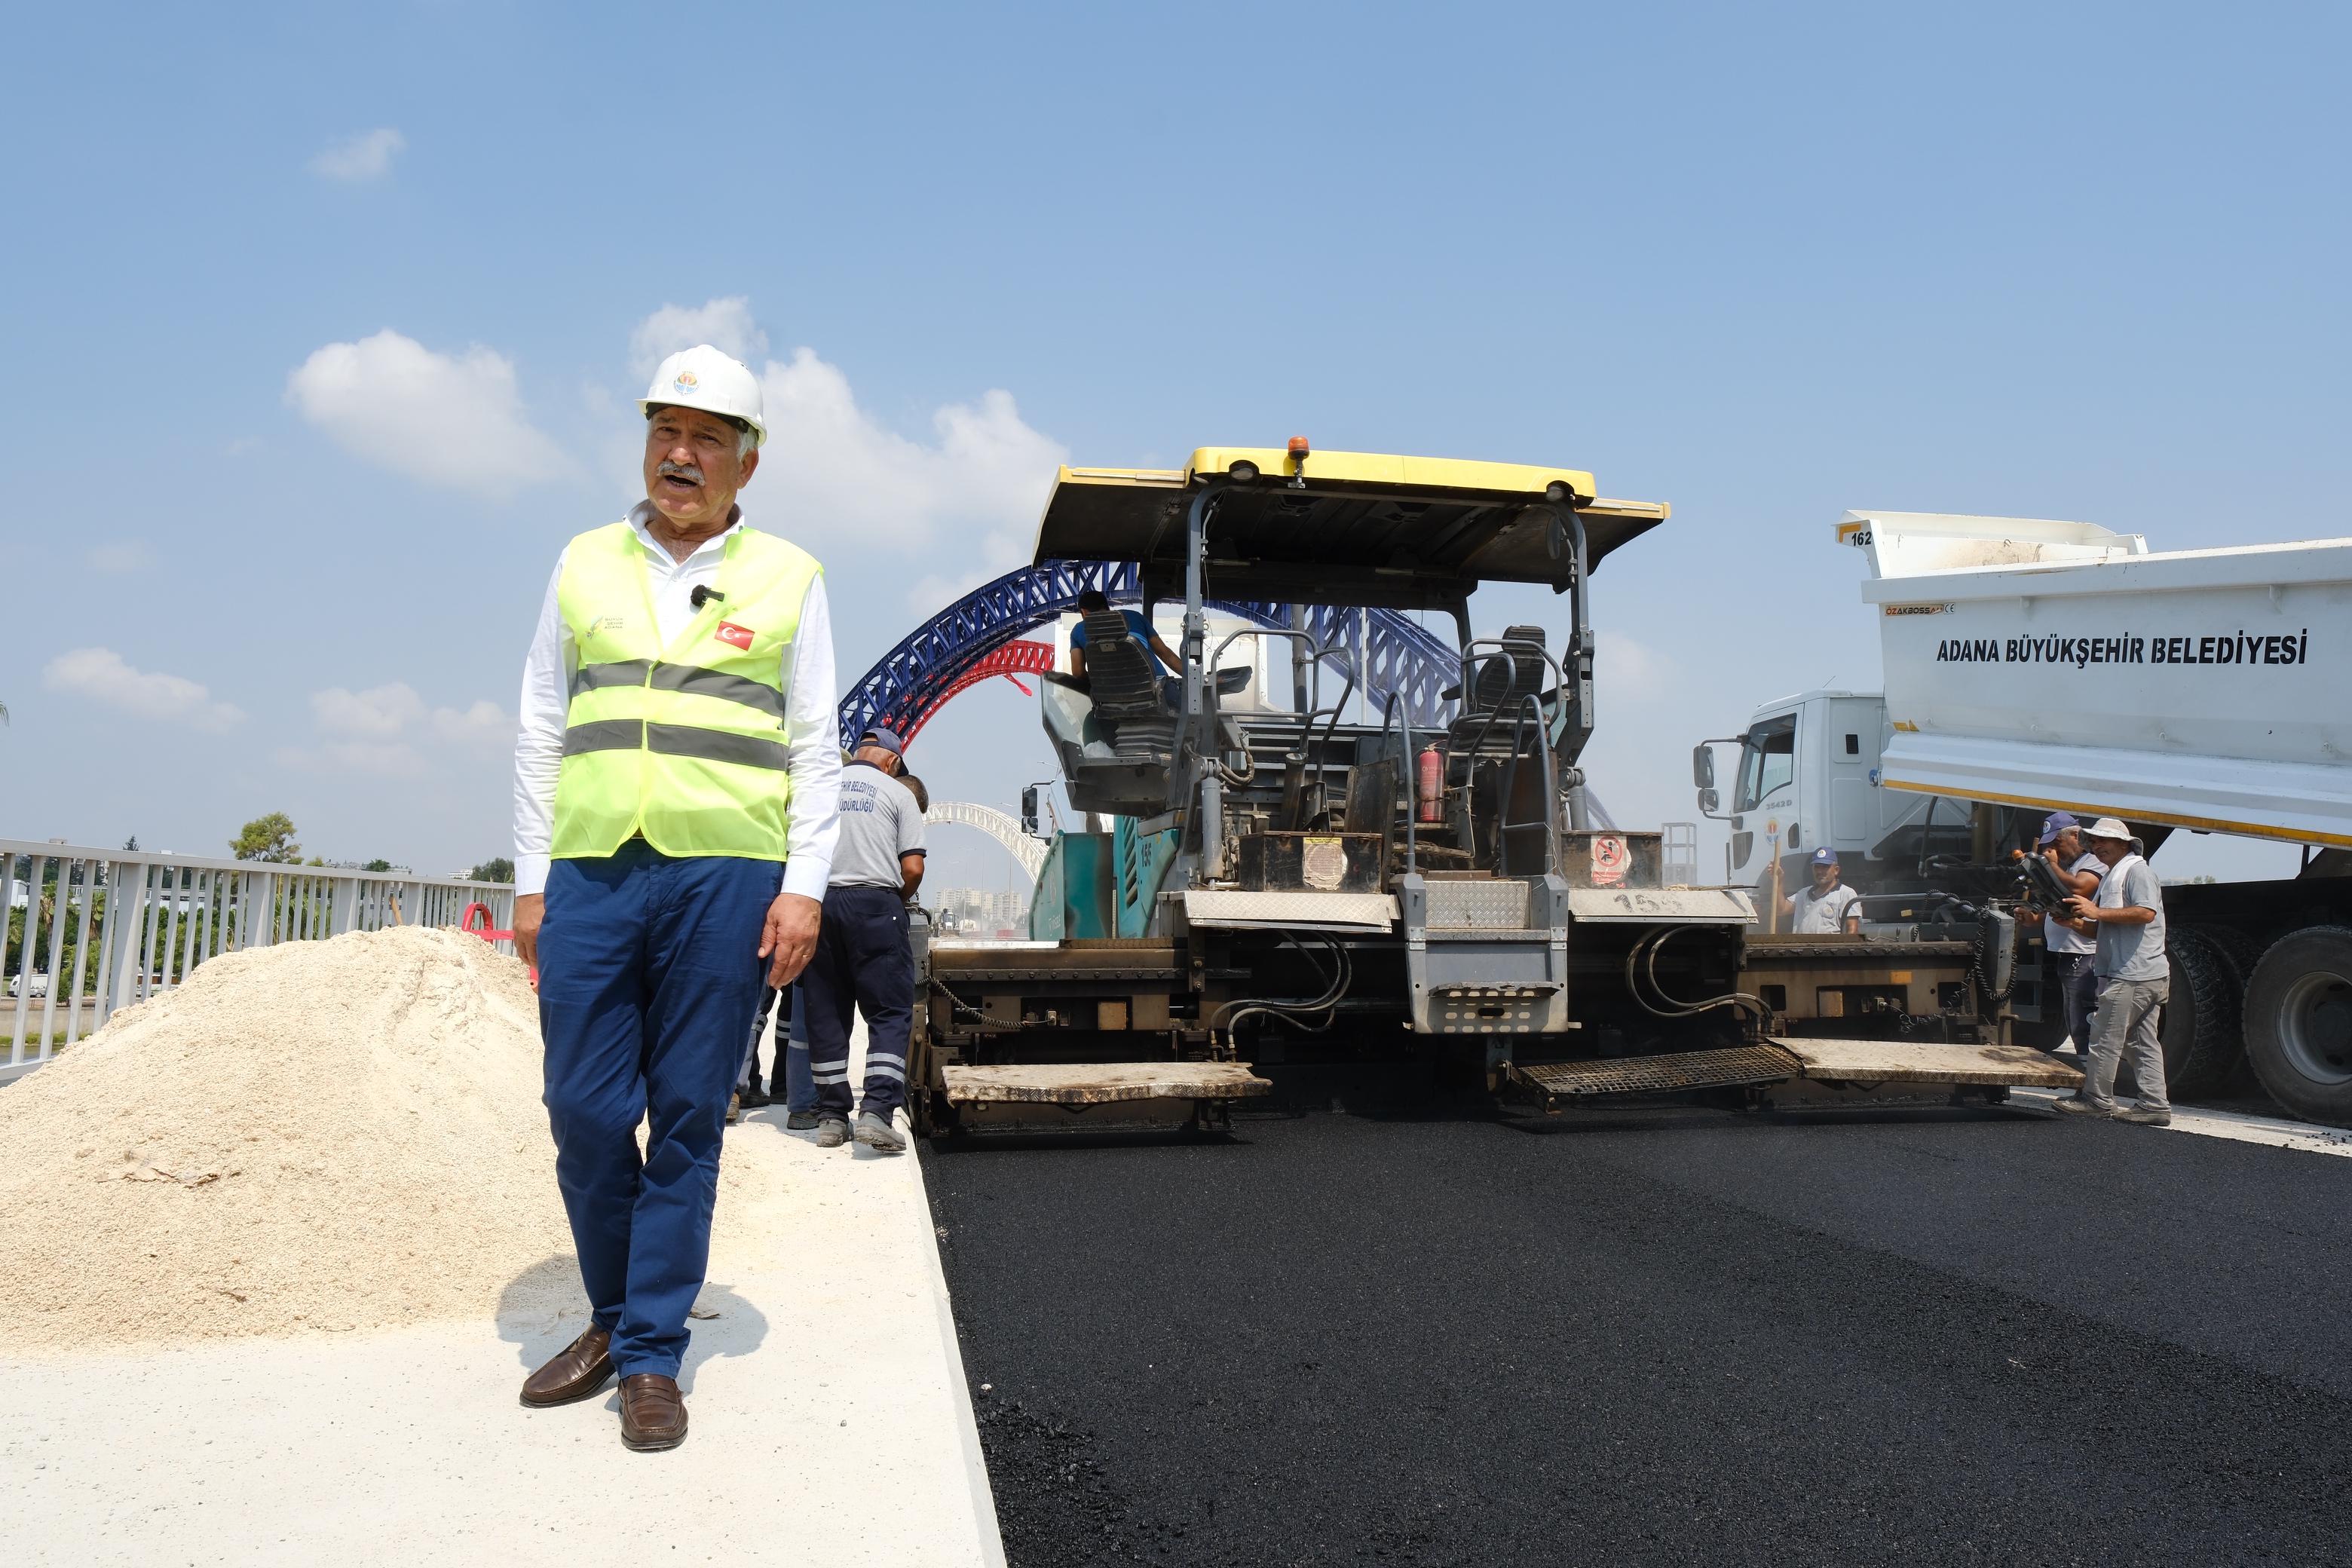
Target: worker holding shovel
pixel 675 786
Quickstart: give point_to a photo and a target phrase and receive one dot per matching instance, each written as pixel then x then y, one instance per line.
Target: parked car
pixel 38 983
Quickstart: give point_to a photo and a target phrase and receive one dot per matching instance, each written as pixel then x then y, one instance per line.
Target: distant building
pixel 975 911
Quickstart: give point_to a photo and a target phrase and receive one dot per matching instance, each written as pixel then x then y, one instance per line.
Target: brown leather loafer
pixel 578 1372
pixel 653 1412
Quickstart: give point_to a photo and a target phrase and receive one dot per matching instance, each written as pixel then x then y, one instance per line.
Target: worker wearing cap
pixel 675 785
pixel 862 961
pixel 1828 907
pixel 2071 981
pixel 2134 978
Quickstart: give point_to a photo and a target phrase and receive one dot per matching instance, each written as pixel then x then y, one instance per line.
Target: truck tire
pixel 2299 1023
pixel 2199 1031
pixel 2240 951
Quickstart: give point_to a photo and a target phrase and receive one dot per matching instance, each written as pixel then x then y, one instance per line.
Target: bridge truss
pixel 980 637
pixel 1003 826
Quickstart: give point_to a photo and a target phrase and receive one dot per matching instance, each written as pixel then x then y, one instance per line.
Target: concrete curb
pixel 983 1497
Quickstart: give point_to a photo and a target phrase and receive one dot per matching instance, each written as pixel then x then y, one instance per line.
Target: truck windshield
pixel 1767 760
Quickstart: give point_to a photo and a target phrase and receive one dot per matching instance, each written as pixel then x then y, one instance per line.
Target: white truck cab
pixel 1806 774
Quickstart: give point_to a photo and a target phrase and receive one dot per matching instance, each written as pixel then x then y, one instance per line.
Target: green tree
pixel 377 866
pixel 500 869
pixel 269 838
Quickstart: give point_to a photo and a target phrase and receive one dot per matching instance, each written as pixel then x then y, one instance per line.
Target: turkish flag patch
pixel 730 632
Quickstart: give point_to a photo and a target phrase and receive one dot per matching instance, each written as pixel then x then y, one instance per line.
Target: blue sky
pixel 2080 262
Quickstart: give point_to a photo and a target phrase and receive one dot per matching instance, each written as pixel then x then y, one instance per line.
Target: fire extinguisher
pixel 1432 784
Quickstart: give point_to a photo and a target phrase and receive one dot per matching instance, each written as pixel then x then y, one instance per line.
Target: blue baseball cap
pixel 1825 856
pixel 2056 823
pixel 889 740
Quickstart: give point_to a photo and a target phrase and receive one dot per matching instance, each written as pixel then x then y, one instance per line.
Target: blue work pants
pixel 862 965
pixel 800 1085
pixel 788 1063
pixel 648 976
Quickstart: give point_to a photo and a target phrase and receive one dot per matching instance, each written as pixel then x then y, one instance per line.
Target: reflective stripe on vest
pixel 681 743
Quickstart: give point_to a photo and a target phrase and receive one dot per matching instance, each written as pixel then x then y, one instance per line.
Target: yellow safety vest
pixel 685 742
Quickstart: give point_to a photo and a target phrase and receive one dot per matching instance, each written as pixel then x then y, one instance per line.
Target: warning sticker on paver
pixel 1323 863
pixel 1609 860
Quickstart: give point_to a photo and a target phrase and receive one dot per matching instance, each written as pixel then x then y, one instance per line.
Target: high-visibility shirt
pixel 678 740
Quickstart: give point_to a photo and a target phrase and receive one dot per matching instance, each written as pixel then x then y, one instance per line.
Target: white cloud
pixel 379 711
pixel 967 500
pixel 123 555
pixel 372 731
pixel 101 675
pixel 446 419
pixel 367 156
pixel 1627 669
pixel 841 473
pixel 833 477
pixel 483 724
pixel 722 323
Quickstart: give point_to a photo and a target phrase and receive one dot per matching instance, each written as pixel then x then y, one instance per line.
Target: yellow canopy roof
pixel 1366 528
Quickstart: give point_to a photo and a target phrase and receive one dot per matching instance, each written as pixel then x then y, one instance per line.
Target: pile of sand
pixel 322 1135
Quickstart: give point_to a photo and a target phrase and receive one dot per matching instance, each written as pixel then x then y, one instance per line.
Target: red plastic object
pixel 465 924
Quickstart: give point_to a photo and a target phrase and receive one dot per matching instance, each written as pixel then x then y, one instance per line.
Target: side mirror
pixel 1029 811
pixel 1709 803
pixel 1703 764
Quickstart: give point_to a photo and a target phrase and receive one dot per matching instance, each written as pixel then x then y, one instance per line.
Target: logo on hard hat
pixel 687 381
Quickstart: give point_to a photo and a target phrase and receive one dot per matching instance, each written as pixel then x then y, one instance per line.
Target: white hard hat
pixel 2108 828
pixel 711 380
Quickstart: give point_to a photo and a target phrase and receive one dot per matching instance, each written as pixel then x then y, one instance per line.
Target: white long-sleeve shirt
pixel 811 729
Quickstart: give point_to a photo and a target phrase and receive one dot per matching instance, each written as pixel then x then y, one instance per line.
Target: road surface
pixel 1677 1337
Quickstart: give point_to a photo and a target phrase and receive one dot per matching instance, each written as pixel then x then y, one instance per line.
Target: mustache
pixel 686 471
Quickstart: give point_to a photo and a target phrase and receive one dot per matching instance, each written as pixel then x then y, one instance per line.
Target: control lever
pixel 2041 880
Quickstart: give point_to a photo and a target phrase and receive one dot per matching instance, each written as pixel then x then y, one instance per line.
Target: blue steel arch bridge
pixel 1382 650
pixel 940 657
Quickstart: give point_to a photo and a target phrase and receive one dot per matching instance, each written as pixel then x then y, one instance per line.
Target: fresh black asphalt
pixel 1351 1337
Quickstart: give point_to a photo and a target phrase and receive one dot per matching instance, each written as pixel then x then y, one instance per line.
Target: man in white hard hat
pixel 2127 916
pixel 676 784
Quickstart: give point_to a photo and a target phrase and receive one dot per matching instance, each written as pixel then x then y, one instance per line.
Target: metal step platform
pixel 1785 1057
pixel 1927 1061
pixel 1077 1084
pixel 1731 1067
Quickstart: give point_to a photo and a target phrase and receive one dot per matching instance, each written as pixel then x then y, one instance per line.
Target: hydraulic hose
pixel 1294 1011
pixel 1645 953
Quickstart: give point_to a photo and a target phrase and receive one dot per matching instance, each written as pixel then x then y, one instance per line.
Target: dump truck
pixel 1281 886
pixel 2035 664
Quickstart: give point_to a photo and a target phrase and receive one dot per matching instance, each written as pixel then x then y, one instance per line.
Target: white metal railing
pixel 90 931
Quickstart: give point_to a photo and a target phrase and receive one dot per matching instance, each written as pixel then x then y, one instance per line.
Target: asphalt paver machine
pixel 1293 885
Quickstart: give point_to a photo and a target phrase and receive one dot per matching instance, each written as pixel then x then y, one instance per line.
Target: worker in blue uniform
pixel 862 961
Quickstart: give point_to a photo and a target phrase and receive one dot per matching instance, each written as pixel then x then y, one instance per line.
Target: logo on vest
pixel 728 631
